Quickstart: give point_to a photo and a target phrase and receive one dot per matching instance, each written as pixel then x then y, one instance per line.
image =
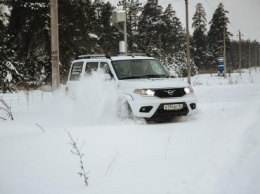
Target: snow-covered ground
pixel 216 151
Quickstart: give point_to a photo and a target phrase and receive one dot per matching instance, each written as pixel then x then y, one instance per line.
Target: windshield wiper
pixel 144 76
pixel 156 75
pixel 132 77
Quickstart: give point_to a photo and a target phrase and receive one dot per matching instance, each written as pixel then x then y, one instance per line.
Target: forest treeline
pixel 85 27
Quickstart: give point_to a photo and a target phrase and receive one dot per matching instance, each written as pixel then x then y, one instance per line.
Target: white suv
pixel 147 87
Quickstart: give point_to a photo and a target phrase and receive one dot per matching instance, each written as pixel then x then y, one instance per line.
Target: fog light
pixel 193 106
pixel 145 109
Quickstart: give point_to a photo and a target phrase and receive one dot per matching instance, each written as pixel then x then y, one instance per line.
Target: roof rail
pixel 137 54
pixel 89 56
pixel 133 54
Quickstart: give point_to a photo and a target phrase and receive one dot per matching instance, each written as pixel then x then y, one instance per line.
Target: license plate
pixel 173 106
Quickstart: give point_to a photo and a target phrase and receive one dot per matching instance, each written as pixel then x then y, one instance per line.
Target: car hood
pixel 152 83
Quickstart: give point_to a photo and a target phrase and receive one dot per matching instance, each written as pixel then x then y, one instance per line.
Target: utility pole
pixel 258 57
pixel 224 50
pixel 255 54
pixel 188 42
pixel 120 3
pixel 55 45
pixel 125 28
pixel 239 52
pixel 249 57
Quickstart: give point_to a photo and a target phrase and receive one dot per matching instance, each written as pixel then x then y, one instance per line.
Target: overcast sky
pixel 244 15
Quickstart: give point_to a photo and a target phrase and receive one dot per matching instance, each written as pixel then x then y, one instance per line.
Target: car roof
pixel 129 57
pixel 112 58
pixel 91 59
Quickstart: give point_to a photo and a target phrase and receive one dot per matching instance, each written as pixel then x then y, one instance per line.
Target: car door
pixel 91 67
pixel 76 70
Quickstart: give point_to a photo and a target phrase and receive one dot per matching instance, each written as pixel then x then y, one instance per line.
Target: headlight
pixel 144 92
pixel 188 90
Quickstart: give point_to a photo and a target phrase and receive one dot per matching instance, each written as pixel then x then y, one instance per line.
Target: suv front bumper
pixel 153 107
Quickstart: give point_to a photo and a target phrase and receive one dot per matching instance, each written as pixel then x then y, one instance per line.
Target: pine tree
pixel 24 39
pixel 28 41
pixel 2 21
pixel 133 18
pixel 150 27
pixel 173 38
pixel 173 42
pixel 2 46
pixel 107 34
pixel 199 43
pixel 218 24
pixel 76 27
pixel 7 69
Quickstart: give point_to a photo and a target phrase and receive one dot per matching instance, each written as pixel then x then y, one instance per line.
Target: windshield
pixel 139 68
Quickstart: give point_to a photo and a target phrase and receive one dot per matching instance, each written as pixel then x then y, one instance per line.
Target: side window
pixel 90 67
pixel 76 71
pixel 104 67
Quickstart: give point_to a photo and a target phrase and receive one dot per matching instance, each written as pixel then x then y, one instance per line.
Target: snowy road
pixel 216 151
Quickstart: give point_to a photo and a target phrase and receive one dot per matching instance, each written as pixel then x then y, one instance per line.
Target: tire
pixel 128 111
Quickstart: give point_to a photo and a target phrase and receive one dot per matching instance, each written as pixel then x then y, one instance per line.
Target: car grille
pixel 170 92
pixel 160 113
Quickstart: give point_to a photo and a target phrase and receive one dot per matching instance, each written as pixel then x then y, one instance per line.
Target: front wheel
pixel 126 113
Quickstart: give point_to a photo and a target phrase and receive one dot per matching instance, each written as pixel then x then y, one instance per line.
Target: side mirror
pixel 173 74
